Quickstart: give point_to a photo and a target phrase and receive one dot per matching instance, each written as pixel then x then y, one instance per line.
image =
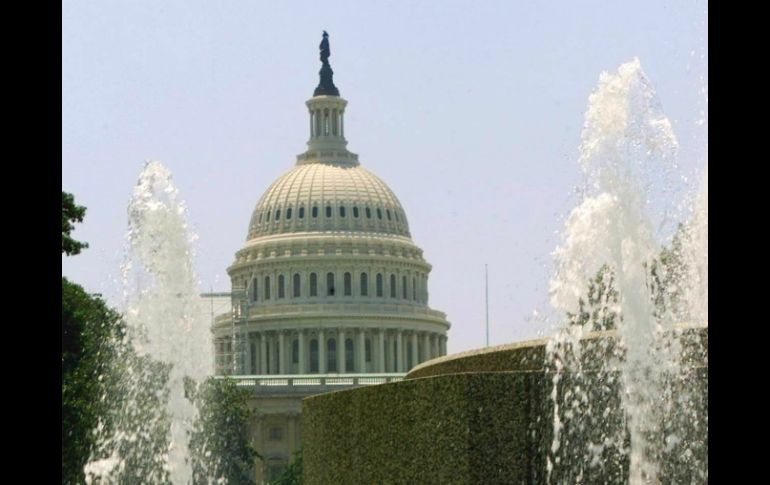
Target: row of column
pixel 326 122
pixel 332 350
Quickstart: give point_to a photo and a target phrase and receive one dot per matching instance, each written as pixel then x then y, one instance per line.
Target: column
pixel 247 356
pixel 442 345
pixel 381 351
pixel 292 418
pixel 361 355
pixel 341 351
pixel 282 354
pixel 426 346
pixel 321 351
pixel 262 353
pixel 415 350
pixel 302 360
pixel 400 351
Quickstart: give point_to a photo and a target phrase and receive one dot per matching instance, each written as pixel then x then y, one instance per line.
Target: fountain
pixel 613 276
pixel 145 438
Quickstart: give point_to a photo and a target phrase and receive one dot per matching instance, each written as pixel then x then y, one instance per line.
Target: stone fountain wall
pixel 476 417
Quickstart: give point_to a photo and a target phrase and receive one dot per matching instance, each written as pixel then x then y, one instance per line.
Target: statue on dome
pixel 324 47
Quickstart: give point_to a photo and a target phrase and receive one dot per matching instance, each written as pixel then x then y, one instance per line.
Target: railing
pixel 310 383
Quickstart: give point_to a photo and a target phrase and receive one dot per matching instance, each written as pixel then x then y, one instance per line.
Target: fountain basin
pixel 483 416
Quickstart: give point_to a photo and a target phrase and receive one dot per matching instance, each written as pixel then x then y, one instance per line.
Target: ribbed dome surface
pixel 320 197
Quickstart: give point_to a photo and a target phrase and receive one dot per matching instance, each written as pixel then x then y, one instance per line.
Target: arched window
pixel 295 351
pixel 331 355
pixel 368 213
pixel 328 211
pixel 392 286
pixel 267 287
pixel 379 284
pixel 395 213
pixel 313 284
pixel 414 288
pixel 260 217
pixel 403 287
pixel 281 292
pixel 296 292
pixel 267 214
pixel 277 215
pixel 288 213
pixel 355 212
pixel 342 211
pixel 314 356
pixel 349 355
pixel 254 289
pixel 379 213
pixel 301 212
pixel 315 212
pixel 364 284
pixel 329 284
pixel 387 212
pixel 348 284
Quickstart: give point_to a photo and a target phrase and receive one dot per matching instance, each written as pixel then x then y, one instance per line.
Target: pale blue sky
pixel 470 110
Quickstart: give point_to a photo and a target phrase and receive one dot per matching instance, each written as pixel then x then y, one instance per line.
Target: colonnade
pixel 329 350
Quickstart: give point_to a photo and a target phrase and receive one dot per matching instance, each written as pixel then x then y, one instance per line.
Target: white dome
pixel 323 197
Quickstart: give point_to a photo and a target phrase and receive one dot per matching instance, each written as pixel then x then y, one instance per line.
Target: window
pixel 328 211
pixel 315 212
pixel 331 355
pixel 288 213
pixel 267 287
pixel 379 284
pixel 349 355
pixel 301 212
pixel 368 352
pixel 379 213
pixel 295 351
pixel 364 284
pixel 342 211
pixel 392 286
pixel 276 433
pixel 395 213
pixel 313 284
pixel 296 292
pixel 277 215
pixel 414 288
pixel 348 285
pixel 260 217
pixel 329 284
pixel 281 293
pixel 355 212
pixel 368 213
pixel 387 212
pixel 254 290
pixel 314 356
pixel 267 214
pixel 403 287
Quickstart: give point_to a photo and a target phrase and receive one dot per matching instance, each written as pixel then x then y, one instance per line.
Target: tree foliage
pixel 70 213
pixel 292 475
pixel 600 310
pixel 219 444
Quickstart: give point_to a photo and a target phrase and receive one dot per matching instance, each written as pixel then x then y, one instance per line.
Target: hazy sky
pixel 471 111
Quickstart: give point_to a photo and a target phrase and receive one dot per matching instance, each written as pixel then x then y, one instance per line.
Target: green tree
pixel 219 446
pixel 70 213
pixel 88 326
pixel 292 475
pixel 599 308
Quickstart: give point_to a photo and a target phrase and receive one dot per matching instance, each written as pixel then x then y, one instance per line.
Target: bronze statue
pixel 325 51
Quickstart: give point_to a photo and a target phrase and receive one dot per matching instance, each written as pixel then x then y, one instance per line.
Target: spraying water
pixel 612 275
pixel 167 341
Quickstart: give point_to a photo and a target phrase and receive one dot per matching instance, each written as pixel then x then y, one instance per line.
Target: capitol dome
pixel 319 197
pixel 328 280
